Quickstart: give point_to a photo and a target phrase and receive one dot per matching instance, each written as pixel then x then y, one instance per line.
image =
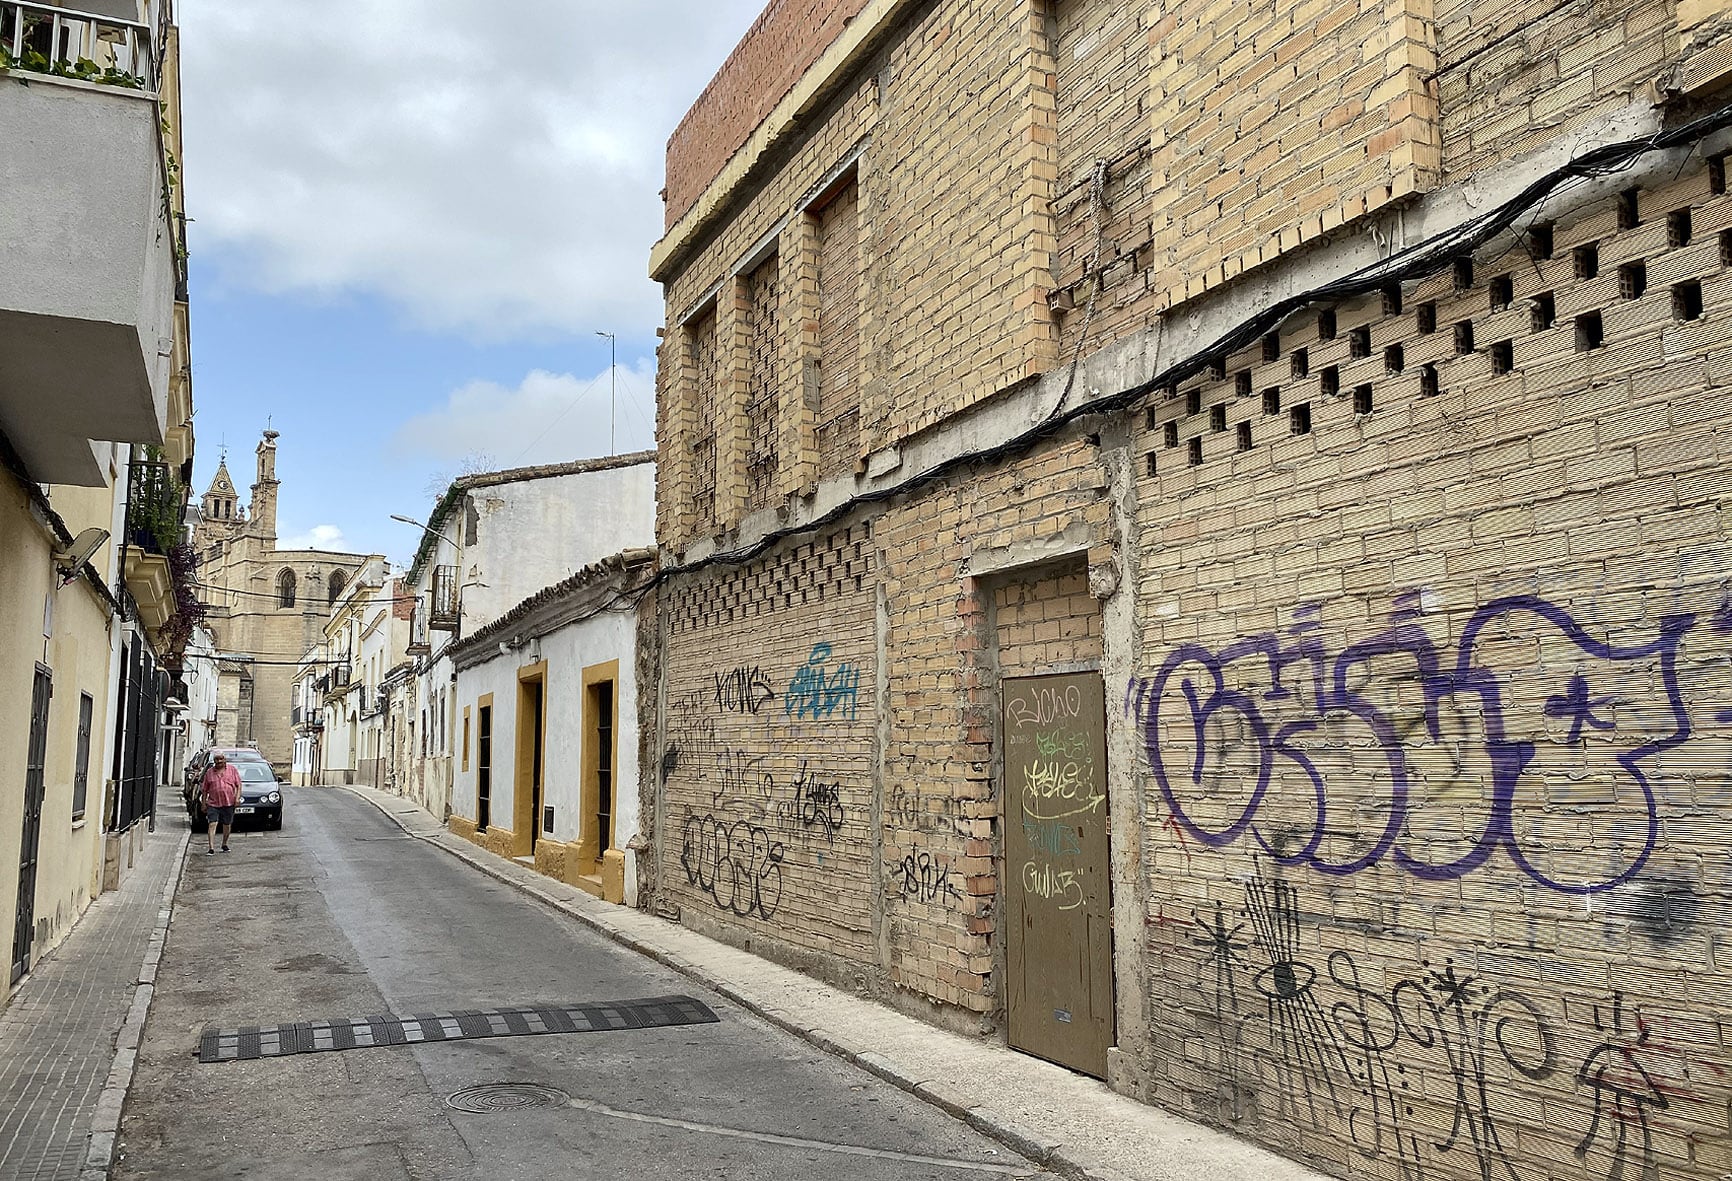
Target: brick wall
pixel 1451 853
pixel 781 45
pixel 767 763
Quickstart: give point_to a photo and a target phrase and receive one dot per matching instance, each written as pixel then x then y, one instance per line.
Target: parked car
pixel 196 765
pixel 261 796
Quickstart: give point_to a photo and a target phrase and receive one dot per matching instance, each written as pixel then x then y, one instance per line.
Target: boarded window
pixel 702 502
pixel 839 332
pixel 763 347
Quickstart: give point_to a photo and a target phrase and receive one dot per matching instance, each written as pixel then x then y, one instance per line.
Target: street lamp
pixel 423 528
pixel 612 354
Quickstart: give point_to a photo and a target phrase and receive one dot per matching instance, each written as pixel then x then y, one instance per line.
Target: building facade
pixel 1192 541
pixel 95 449
pixel 365 642
pixel 267 606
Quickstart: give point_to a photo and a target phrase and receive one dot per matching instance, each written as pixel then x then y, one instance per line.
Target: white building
pixel 546 736
pixel 493 540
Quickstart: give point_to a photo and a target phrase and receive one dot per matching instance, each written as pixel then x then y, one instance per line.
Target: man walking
pixel 221 790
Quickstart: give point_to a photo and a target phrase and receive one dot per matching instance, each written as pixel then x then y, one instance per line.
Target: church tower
pixel 264 503
pixel 220 505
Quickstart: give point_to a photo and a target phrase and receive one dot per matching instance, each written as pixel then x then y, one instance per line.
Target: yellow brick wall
pixel 1443 892
pixel 768 773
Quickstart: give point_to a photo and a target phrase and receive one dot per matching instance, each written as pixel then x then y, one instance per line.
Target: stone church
pixel 267 606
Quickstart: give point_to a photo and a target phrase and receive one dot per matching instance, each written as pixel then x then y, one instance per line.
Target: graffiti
pixel 905 806
pixel 1333 1038
pixel 821 690
pixel 1039 705
pixel 1056 885
pixel 1061 744
pixel 745 690
pixel 815 804
pixel 1623 1091
pixel 693 733
pixel 1053 790
pixel 1235 760
pixel 923 878
pixel 737 865
pixel 741 783
pixel 1052 838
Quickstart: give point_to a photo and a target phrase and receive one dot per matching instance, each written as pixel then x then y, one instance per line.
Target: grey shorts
pixel 219 815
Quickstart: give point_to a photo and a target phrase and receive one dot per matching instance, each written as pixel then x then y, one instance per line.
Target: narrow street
pixel 342 915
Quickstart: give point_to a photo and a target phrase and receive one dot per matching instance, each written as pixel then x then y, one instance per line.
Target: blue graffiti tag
pixel 822 690
pixel 1190 699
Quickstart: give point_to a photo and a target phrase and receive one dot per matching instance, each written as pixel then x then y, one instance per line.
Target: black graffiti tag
pixel 737 865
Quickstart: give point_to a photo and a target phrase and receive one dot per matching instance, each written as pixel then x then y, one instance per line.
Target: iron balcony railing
pixel 443 612
pixel 154 508
pixel 68 43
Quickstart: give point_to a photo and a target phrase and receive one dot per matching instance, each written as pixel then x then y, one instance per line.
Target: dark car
pixel 195 767
pixel 261 797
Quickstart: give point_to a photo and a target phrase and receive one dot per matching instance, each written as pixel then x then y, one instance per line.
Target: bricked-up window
pixel 701 503
pixel 763 348
pixel 838 235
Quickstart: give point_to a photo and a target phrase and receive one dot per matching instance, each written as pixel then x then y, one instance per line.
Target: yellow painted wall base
pixel 613 875
pixel 554 859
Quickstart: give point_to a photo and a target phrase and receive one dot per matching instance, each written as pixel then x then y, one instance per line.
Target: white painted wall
pixel 568 651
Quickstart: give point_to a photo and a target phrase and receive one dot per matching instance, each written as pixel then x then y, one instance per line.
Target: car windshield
pixel 244 756
pixel 256 773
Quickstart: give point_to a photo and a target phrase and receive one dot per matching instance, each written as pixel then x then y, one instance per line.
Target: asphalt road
pixel 341 915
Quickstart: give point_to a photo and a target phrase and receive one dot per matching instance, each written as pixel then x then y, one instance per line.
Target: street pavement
pixel 343 914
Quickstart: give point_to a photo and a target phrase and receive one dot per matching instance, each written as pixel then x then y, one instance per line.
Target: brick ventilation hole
pixel 1428 381
pixel 1149 422
pixel 1726 248
pixel 1272 401
pixel 1687 300
pixel 1218 417
pixel 1149 463
pixel 1502 292
pixel 1326 324
pixel 1629 209
pixel 1463 337
pixel 1362 399
pixel 1632 280
pixel 1170 434
pixel 1242 384
pixel 1590 332
pixel 1244 436
pixel 1544 312
pixel 1503 356
pixel 1587 260
pixel 1678 229
pixel 1359 341
pixel 1425 318
pixel 1196 452
pixel 1392 300
pixel 1299 419
pixel 1394 359
pixel 1194 401
pixel 1540 240
pixel 1301 362
pixel 1271 347
pixel 1463 274
pixel 1218 369
pixel 1328 384
pixel 1717 175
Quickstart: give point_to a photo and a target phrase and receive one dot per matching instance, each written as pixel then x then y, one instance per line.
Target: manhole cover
pixel 491 1097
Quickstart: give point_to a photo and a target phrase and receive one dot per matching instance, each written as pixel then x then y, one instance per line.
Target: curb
pixel 1042 1151
pixel 105 1123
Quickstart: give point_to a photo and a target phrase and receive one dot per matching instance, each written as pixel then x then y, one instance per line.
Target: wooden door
pixel 1057 879
pixel 35 789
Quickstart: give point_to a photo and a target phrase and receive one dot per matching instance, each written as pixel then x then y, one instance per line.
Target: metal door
pixel 23 930
pixel 1058 884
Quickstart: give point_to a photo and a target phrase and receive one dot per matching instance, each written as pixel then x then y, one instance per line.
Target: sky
pixel 410 220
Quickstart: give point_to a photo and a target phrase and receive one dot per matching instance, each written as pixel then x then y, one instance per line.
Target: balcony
pixel 87 293
pixel 443 612
pixel 155 503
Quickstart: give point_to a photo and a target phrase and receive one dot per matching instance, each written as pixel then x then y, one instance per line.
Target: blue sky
pixel 410 220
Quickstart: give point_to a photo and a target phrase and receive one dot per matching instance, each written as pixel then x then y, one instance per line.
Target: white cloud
pixel 325 537
pixel 490 168
pixel 548 418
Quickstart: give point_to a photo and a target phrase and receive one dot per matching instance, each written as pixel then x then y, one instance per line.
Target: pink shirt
pixel 222 788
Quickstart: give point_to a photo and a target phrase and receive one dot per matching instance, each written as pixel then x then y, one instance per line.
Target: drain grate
pixel 345 1033
pixel 491 1097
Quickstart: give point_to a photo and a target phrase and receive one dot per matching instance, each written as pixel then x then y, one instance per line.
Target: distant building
pixel 268 606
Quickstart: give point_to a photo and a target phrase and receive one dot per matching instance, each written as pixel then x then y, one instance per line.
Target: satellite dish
pixel 75 555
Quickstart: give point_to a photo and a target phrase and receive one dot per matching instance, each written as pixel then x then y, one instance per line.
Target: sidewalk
pixel 1071 1124
pixel 69 1034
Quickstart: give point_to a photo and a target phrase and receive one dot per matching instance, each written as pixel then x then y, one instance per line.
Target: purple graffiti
pixel 1192 699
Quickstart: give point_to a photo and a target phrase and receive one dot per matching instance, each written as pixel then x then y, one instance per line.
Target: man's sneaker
pixel 210 852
